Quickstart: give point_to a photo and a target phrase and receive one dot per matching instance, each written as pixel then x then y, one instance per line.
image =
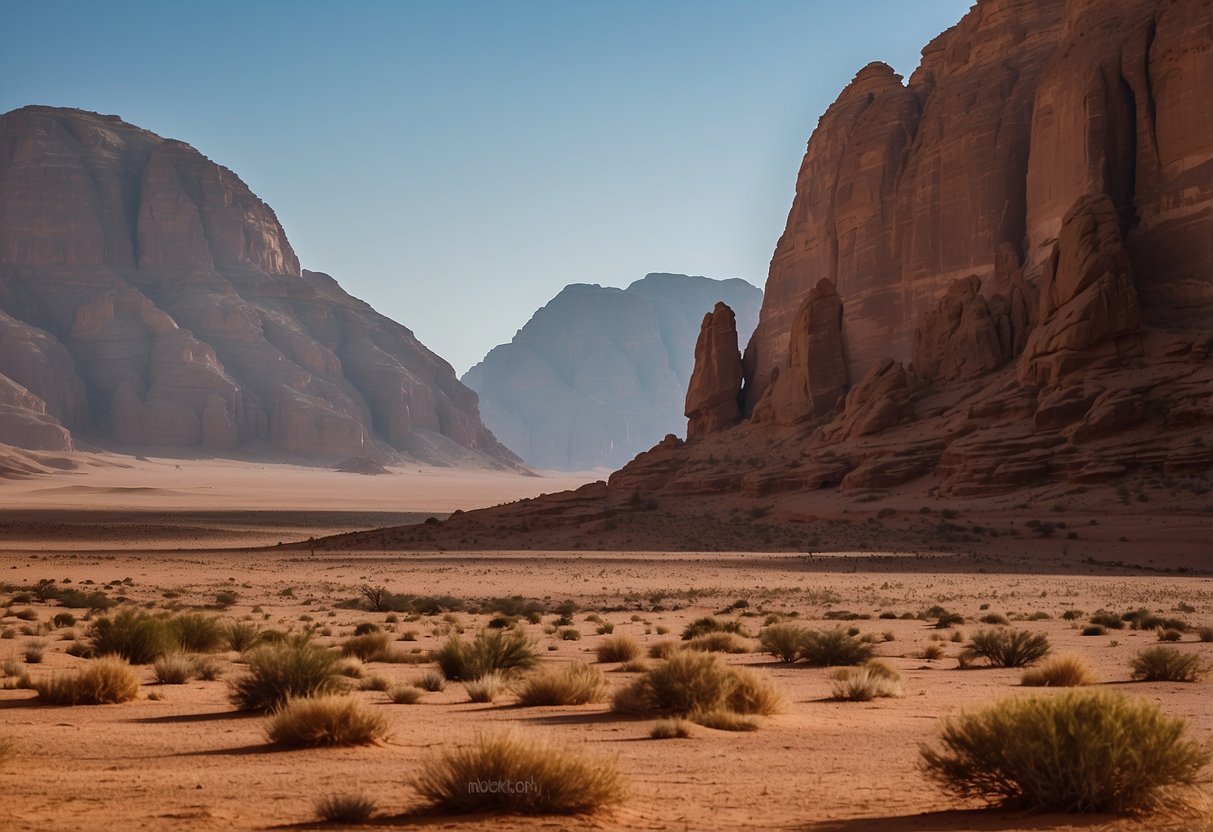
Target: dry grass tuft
pixel 784 641
pixel 1167 664
pixel 573 684
pixel 369 647
pixel 405 695
pixel 1064 671
pixel 511 773
pixel 491 651
pixel 719 643
pixel 278 672
pixel 345 808
pixel 723 719
pixel 104 681
pixel 486 688
pixel 691 681
pixel 173 669
pixel 1007 648
pixel 872 680
pixel 1079 751
pixel 620 648
pixel 325 720
pixel 670 729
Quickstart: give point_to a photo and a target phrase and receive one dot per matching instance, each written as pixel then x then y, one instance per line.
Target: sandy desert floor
pixel 181 757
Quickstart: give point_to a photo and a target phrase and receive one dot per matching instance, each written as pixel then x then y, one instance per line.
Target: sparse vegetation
pixel 485 688
pixel 345 808
pixel 620 648
pixel 785 641
pixel 105 681
pixel 132 634
pixel 405 694
pixel 173 669
pixel 670 729
pixel 688 682
pixel 491 651
pixel 333 719
pixel 1080 751
pixel 1167 664
pixel 708 624
pixel 723 719
pixel 369 646
pixel 278 672
pixel 1007 648
pixel 559 781
pixel 432 681
pixel 1064 671
pixel 834 648
pixel 871 680
pixel 572 684
pixel 719 643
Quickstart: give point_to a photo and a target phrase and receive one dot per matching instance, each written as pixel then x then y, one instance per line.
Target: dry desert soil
pixel 172 537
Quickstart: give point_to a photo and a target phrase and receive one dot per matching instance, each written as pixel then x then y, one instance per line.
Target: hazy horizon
pixel 457 164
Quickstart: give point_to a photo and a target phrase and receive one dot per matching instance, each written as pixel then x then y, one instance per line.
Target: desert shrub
pixel 784 641
pixel 351 668
pixel 1166 664
pixel 241 635
pixel 573 684
pixel 431 680
pixel 1080 751
pixel 103 681
pixel 995 618
pixel 1165 634
pixel 719 643
pixel 1109 620
pixel 370 647
pixel 560 781
pixel 197 633
pixel 619 648
pixel 344 808
pixel 1064 671
pixel 1094 630
pixel 670 729
pixel 1205 633
pixel 948 620
pixel 708 624
pixel 173 669
pixel 664 649
pixel 692 681
pixel 933 652
pixel 333 719
pixel 206 668
pixel 485 688
pixel 570 634
pixel 723 719
pixel 34 652
pixel 26 614
pixel 278 672
pixel 1008 648
pixel 132 634
pixel 491 651
pixel 869 681
pixel 63 619
pixel 376 683
pixel 367 627
pixel 833 648
pixel 404 694
pixel 605 628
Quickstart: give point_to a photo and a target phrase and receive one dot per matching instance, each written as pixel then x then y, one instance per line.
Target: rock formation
pixel 1030 220
pixel 712 401
pixel 600 374
pixel 148 298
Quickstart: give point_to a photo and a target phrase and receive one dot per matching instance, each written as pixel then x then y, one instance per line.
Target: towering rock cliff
pixel 995 277
pixel 148 298
pixel 599 374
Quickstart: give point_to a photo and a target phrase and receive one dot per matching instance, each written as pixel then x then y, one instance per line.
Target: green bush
pixel 196 633
pixel 1080 751
pixel 1166 664
pixel 278 672
pixel 491 651
pixel 784 641
pixel 132 634
pixel 558 781
pixel 834 648
pixel 1007 648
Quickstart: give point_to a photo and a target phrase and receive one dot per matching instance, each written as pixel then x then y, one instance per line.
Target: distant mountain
pixel 600 374
pixel 149 298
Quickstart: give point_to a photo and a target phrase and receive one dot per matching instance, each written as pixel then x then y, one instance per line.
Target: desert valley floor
pixel 181 756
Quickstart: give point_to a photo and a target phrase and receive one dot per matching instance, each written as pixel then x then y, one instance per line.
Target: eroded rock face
pixel 24 421
pixel 879 402
pixel 599 374
pixel 712 396
pixel 1089 312
pixel 965 336
pixel 148 298
pixel 815 378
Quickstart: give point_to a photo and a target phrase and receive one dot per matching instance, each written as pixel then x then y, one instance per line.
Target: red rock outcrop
pixel 712 402
pixel 965 336
pixel 25 423
pixel 815 379
pixel 1088 305
pixel 879 402
pixel 148 297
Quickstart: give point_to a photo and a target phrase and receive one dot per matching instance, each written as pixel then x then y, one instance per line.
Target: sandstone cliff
pixel 599 374
pixel 995 282
pixel 148 298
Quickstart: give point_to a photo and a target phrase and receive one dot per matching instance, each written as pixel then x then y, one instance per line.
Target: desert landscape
pixel 916 536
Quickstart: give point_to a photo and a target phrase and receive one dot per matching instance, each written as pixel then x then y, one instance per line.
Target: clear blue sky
pixel 456 163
